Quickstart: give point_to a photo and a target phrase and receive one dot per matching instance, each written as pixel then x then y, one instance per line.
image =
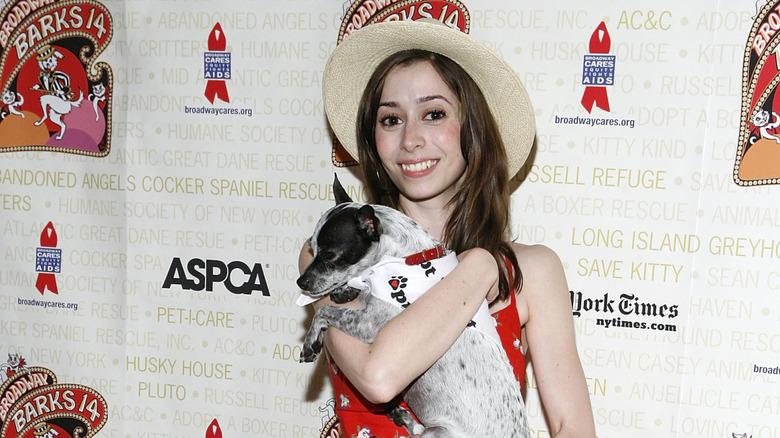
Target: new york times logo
pixel 627 304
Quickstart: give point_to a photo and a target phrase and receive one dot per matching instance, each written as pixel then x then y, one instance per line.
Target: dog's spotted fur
pixel 471 390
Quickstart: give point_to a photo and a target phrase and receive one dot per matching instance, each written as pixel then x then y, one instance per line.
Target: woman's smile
pixel 418 168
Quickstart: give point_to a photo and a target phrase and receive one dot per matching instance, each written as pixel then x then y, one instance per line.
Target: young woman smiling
pixel 439 125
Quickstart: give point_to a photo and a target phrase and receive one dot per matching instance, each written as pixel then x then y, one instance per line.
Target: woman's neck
pixel 431 215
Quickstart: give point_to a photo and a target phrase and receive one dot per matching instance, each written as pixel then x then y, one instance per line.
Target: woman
pixel 440 124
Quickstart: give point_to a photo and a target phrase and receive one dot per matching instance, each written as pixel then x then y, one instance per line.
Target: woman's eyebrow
pixel 419 100
pixel 432 97
pixel 423 99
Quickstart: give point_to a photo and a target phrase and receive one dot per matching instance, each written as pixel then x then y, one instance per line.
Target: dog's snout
pixel 303 282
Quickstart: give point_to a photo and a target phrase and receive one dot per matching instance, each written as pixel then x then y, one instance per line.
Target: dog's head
pixel 342 241
pixel 9 97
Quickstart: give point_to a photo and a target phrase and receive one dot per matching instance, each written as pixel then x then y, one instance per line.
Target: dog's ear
pixel 338 191
pixel 368 223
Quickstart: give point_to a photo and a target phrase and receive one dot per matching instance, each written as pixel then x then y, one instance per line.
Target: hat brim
pixel 354 60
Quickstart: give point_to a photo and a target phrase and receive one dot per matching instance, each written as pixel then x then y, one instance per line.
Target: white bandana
pixel 399 284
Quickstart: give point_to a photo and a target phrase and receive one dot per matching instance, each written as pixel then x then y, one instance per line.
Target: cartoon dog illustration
pixel 14 365
pixel 329 411
pixel 761 119
pixel 11 104
pixel 56 100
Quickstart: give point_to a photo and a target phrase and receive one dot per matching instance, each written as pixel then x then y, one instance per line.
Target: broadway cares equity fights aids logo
pixel 364 12
pixel 216 66
pixel 598 70
pixel 34 405
pixel 54 95
pixel 48 260
pixel 758 149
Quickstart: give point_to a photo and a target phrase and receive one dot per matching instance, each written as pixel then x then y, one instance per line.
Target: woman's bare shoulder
pixel 544 285
pixel 536 259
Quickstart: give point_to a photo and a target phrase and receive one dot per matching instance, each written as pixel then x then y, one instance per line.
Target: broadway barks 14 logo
pixel 54 95
pixel 34 405
pixel 758 150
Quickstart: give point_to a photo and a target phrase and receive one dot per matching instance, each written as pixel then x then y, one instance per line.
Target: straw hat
pixel 357 56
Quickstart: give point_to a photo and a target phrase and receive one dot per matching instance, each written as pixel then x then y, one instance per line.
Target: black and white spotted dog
pixel 471 390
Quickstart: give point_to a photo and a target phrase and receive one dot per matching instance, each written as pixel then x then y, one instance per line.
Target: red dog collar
pixel 428 254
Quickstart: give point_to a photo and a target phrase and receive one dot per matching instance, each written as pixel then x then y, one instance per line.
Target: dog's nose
pixel 303 283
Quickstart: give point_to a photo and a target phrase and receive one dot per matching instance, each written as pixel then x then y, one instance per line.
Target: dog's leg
pixel 402 417
pixel 45 108
pixel 329 316
pixel 344 295
pixel 363 324
pixel 312 343
pixel 57 119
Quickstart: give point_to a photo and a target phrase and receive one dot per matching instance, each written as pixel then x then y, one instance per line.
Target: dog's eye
pixel 328 255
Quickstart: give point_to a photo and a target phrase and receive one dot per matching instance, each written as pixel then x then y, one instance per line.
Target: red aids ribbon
pixel 214 430
pixel 599 44
pixel 214 87
pixel 47 281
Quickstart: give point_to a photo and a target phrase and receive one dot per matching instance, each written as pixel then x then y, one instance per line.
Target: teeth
pixel 417 167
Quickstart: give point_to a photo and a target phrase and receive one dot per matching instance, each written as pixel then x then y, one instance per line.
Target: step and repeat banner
pixel 162 163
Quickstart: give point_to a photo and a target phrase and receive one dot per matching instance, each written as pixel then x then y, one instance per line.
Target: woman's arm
pixel 550 335
pixel 412 341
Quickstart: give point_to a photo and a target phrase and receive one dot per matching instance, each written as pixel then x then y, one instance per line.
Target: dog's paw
pixel 309 352
pixel 345 295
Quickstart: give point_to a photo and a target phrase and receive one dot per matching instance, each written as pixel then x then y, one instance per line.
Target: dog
pixel 471 390
pixel 57 98
pixel 13 101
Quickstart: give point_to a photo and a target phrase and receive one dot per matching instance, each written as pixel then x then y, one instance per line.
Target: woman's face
pixel 418 133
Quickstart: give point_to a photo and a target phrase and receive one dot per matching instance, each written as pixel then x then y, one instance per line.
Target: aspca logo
pixel 362 13
pixel 199 275
pixel 757 160
pixel 33 404
pixel 54 95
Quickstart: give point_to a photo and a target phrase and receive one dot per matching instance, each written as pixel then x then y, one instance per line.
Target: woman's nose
pixel 413 137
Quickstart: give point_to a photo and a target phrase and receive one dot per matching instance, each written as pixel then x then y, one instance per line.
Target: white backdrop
pixel 652 229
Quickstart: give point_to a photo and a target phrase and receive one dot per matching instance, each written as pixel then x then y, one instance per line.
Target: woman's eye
pixel 390 120
pixel 435 115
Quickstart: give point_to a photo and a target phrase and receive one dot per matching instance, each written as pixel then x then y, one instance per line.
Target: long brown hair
pixel 480 208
